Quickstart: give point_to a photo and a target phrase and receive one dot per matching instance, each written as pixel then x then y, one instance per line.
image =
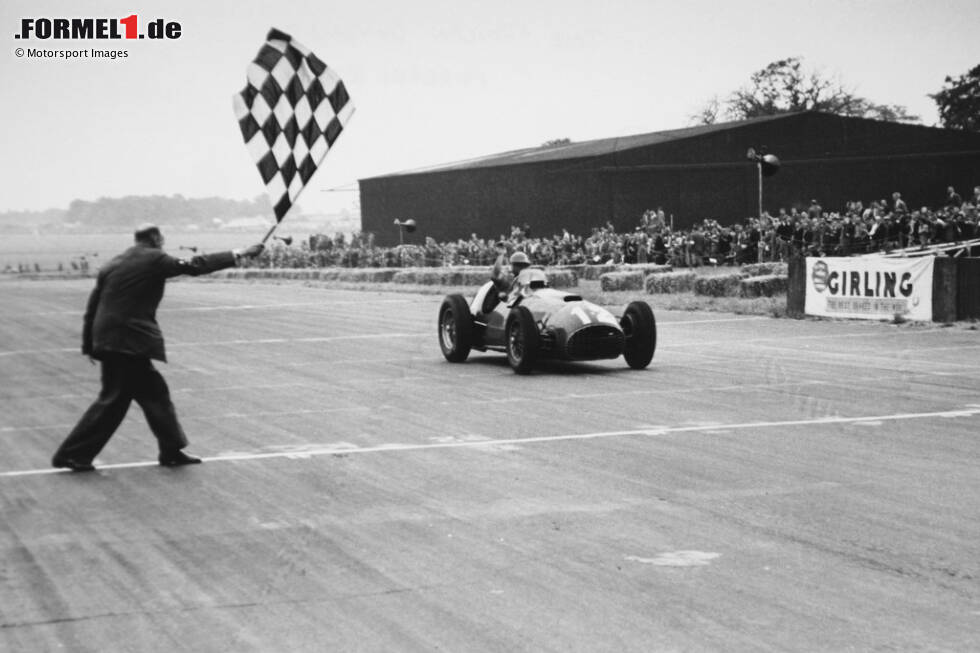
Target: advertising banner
pixel 869 287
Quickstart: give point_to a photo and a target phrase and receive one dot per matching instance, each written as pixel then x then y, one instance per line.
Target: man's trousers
pixel 125 379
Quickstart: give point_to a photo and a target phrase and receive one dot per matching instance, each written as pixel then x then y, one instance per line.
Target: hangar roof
pixel 586 149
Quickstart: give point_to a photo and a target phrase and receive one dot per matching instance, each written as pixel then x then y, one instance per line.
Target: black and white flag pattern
pixel 290 112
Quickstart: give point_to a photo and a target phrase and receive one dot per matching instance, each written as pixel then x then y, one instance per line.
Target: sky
pixel 432 81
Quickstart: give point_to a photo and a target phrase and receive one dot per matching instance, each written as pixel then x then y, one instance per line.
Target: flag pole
pixel 269 232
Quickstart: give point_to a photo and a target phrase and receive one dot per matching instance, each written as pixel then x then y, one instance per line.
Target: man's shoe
pixel 177 459
pixel 73 465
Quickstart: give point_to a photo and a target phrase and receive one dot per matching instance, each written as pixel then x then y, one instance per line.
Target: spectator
pixel 784 235
pixel 953 199
pixel 846 237
pixel 815 211
pixel 697 246
pixel 898 204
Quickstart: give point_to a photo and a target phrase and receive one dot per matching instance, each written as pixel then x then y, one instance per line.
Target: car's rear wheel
pixel 455 328
pixel 522 339
pixel 640 329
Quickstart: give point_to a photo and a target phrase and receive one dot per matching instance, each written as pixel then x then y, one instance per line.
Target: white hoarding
pixel 869 287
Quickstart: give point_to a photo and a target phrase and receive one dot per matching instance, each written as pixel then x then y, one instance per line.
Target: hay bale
pixel 409 276
pixel 562 279
pixel 577 269
pixel 593 272
pixel 449 276
pixel 453 276
pixel 727 285
pixel 765 269
pixel 467 276
pixel 288 273
pixel 366 275
pixel 474 276
pixel 612 281
pixel 767 285
pixel 646 268
pixel 670 282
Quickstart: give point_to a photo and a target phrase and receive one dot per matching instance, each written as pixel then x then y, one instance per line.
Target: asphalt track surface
pixel 766 485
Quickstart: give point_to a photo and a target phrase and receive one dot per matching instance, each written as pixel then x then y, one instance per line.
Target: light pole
pixel 403 226
pixel 767 164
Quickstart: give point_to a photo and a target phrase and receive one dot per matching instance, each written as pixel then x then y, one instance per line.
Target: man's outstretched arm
pixel 207 263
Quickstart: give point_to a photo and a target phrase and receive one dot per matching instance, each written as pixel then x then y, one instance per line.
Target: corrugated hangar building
pixel 693 173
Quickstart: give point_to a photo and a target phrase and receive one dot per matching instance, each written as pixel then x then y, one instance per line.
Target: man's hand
pixel 254 250
pixel 250 252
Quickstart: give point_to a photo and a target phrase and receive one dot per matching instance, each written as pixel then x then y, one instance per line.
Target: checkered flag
pixel 291 112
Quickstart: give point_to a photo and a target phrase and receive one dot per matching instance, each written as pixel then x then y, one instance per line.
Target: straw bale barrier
pixel 764 286
pixel 670 282
pixel 765 269
pixel 726 285
pixel 612 281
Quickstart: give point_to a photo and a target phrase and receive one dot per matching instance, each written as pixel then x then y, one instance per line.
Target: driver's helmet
pixel 519 261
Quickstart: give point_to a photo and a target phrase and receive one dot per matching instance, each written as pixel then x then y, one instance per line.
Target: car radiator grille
pixel 599 341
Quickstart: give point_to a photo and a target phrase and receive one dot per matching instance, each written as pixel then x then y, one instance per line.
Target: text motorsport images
pixel 93 53
pixel 90 28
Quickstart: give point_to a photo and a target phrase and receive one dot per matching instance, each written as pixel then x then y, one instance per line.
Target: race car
pixel 536 321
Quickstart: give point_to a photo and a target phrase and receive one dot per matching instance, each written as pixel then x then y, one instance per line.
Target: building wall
pixel 824 157
pixel 486 201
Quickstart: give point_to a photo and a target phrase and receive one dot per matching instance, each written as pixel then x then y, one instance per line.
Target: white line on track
pixel 971 410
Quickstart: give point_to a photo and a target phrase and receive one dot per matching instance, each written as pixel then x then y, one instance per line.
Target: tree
pixel 784 86
pixel 959 101
pixel 557 142
pixel 707 114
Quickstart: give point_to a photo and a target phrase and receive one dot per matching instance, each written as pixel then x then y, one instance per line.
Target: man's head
pixel 519 261
pixel 148 234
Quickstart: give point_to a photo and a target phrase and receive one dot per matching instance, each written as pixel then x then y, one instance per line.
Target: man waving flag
pixel 290 112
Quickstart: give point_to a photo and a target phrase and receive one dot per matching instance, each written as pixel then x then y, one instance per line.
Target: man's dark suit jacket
pixel 121 313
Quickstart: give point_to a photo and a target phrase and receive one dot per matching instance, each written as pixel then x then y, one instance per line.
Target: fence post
pixel 968 288
pixel 796 287
pixel 944 289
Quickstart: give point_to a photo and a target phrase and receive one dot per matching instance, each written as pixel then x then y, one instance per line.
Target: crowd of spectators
pixel 884 225
pixel 880 226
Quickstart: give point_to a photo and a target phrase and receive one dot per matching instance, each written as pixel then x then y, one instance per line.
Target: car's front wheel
pixel 640 329
pixel 522 339
pixel 455 329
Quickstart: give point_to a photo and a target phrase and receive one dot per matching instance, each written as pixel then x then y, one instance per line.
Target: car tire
pixel 640 328
pixel 455 328
pixel 522 339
